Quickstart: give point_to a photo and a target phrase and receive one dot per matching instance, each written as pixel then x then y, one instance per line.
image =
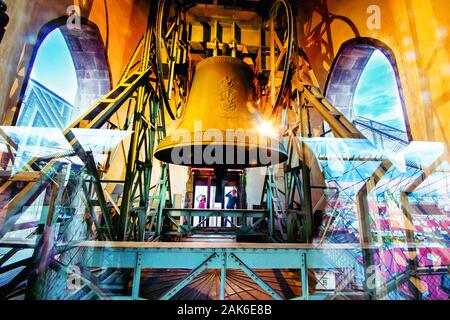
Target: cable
pixel 107 26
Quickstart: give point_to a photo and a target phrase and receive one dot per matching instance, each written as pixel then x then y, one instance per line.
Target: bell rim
pixel 283 156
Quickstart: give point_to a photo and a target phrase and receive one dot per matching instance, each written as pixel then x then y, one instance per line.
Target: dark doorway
pixel 205 185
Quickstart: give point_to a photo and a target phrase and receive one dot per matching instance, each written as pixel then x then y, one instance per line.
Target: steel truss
pixel 203 256
pixel 250 220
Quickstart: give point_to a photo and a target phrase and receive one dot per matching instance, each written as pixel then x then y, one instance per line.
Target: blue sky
pixel 54 67
pixel 377 96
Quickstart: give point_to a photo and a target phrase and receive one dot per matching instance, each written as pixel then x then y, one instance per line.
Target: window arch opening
pixel 52 89
pixel 364 85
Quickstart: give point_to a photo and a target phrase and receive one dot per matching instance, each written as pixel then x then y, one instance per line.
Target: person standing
pixel 202 202
pixel 232 200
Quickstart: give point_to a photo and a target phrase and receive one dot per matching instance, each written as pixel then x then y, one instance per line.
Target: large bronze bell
pixel 221 127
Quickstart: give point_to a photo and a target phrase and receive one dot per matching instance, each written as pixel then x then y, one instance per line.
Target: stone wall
pixel 347 71
pixel 91 66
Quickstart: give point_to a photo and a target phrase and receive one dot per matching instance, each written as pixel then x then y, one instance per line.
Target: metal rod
pixel 223 276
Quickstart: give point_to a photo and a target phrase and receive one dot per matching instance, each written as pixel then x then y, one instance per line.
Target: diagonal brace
pixel 194 274
pixel 255 278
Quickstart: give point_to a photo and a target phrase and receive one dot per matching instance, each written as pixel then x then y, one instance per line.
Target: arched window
pixel 52 89
pixel 364 86
pixel 377 97
pixel 69 74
